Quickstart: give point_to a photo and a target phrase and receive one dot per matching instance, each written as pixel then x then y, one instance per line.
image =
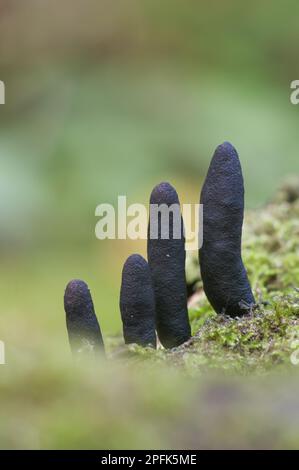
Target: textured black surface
pixel 137 303
pixel 224 277
pixel 166 259
pixel 82 324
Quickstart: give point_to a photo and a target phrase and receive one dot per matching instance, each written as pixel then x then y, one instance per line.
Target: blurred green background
pixel 109 98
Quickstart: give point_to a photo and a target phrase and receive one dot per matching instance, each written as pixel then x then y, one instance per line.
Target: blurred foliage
pixel 52 404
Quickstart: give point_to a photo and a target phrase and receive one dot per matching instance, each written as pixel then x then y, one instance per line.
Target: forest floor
pixel 235 384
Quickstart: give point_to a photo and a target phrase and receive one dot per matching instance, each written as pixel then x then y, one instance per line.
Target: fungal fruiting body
pixel 82 325
pixel 166 258
pixel 224 276
pixel 137 303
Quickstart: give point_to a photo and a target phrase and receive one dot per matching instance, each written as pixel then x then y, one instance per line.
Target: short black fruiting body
pixel 224 277
pixel 166 258
pixel 137 303
pixel 82 324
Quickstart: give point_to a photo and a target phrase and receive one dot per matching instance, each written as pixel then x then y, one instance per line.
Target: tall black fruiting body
pixel 137 303
pixel 82 325
pixel 225 280
pixel 166 258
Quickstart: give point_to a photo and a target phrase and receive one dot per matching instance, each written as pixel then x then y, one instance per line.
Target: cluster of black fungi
pixel 153 295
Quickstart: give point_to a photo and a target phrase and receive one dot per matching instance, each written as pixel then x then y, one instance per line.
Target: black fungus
pixel 166 258
pixel 224 276
pixel 82 325
pixel 137 303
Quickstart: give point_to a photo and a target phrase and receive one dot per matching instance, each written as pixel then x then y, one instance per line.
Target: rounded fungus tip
pixel 164 193
pixel 225 151
pixel 135 260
